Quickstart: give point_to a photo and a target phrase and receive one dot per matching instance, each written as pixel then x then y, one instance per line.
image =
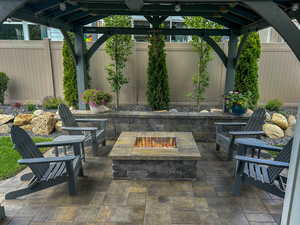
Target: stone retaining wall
pixel 201 124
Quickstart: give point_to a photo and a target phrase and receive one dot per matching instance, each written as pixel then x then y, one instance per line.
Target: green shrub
pixel 273 105
pixel 158 93
pixel 31 107
pixel 50 102
pixel 96 97
pixel 247 70
pixel 3 86
pixel 69 80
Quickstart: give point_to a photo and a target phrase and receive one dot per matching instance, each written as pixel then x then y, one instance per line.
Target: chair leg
pixel 94 143
pixel 237 185
pixel 2 213
pixel 71 178
pixel 230 149
pixel 217 147
pixel 104 143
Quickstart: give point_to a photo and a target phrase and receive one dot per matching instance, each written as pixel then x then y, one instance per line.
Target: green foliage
pixel 31 107
pixel 70 80
pixel 273 105
pixel 9 157
pixel 247 70
pixel 50 102
pixel 3 86
pixel 201 78
pixel 96 97
pixel 237 98
pixel 158 93
pixel 118 47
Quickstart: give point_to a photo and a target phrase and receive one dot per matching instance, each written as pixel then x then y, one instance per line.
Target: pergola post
pixel 81 65
pixel 231 59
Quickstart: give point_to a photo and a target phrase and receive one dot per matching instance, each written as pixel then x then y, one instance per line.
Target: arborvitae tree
pixel 157 86
pixel 69 80
pixel 201 78
pixel 118 47
pixel 246 80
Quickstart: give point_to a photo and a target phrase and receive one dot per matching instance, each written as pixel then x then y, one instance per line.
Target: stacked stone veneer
pixel 202 125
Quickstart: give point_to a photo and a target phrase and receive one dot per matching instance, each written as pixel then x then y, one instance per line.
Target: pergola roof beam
pixel 42 7
pixel 162 31
pixel 9 6
pixel 28 15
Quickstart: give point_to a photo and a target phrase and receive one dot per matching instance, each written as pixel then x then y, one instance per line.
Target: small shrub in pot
pixel 50 102
pixel 273 105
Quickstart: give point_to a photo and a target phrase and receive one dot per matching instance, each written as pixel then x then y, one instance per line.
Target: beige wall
pixel 35 70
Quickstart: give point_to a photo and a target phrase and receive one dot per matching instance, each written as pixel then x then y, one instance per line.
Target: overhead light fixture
pixel 295 7
pixel 62 6
pixel 177 8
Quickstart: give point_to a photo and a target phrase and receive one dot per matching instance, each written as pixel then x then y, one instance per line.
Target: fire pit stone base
pixel 154 169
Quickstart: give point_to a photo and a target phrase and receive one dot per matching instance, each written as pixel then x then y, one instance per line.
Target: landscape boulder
pixel 292 120
pixel 268 117
pixel 38 112
pixel 4 129
pixel 44 124
pixel 58 126
pixel 204 111
pixel 23 119
pixel 280 120
pixel 6 118
pixel 216 110
pixel 273 131
pixel 27 127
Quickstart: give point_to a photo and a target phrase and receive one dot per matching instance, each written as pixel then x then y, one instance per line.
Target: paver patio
pixel 103 201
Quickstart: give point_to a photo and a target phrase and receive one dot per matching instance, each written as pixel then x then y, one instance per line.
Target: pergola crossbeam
pixel 162 31
pixel 9 6
pixel 96 45
pixel 216 48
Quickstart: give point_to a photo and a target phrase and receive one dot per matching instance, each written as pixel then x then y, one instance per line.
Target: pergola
pixel 239 17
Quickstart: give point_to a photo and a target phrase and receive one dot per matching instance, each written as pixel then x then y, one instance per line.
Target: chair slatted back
pixel 27 149
pixel 256 120
pixel 68 119
pixel 283 156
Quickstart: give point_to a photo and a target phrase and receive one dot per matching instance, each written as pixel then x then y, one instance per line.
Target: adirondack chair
pixel 48 171
pixel 225 137
pixel 264 174
pixel 94 135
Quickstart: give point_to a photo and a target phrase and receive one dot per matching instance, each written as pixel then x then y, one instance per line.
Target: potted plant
pixel 237 102
pixel 96 99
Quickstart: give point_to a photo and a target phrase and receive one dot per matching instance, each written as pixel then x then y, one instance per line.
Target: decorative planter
pixel 98 109
pixel 238 110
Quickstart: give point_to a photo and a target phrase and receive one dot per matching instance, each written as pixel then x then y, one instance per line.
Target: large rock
pixel 27 127
pixel 249 112
pixel 43 124
pixel 6 118
pixel 292 120
pixel 216 110
pixel 58 126
pixel 289 131
pixel 280 120
pixel 38 112
pixel 4 129
pixel 273 131
pixel 268 117
pixel 204 111
pixel 23 119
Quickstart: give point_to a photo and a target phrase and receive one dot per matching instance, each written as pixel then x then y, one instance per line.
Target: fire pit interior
pixel 155 155
pixel 155 142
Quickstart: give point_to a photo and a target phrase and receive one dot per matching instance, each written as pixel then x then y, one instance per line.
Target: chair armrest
pixel 257 143
pixel 80 128
pixel 230 123
pixel 47 160
pixel 52 144
pixel 86 120
pixel 241 133
pixel 262 161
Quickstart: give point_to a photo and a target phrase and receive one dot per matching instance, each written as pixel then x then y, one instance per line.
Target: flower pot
pixel 238 109
pixel 98 109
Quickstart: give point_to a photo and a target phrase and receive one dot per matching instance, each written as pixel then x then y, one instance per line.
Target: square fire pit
pixel 155 155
